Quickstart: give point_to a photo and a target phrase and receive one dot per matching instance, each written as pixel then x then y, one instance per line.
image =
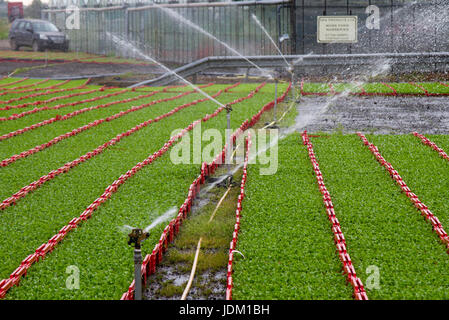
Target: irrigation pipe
pixel 192 273
pixel 219 204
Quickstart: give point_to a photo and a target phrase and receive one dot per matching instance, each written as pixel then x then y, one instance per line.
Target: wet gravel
pixel 8 67
pixel 380 115
pixel 74 69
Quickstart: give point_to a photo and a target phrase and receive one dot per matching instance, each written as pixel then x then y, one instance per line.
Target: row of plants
pixel 284 234
pixel 394 250
pixel 339 238
pixel 137 203
pixel 424 170
pixel 424 210
pixel 35 133
pixel 18 98
pixel 79 144
pixel 97 122
pixel 370 88
pixel 288 250
pixel 26 135
pixel 97 97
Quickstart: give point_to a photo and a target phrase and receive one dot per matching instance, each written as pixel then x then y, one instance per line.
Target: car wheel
pixel 13 45
pixel 36 46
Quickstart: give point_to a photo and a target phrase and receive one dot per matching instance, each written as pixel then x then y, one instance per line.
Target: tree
pixel 34 9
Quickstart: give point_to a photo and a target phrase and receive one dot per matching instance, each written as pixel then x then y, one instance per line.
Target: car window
pixel 21 25
pixel 44 27
pixel 27 26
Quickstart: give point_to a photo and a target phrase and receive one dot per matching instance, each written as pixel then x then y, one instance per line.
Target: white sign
pixel 337 29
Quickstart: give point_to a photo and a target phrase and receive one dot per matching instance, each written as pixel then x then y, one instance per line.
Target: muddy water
pixel 380 115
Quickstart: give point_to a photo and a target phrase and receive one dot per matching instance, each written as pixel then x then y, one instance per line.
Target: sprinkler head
pixel 227 181
pixel 228 108
pixel 136 237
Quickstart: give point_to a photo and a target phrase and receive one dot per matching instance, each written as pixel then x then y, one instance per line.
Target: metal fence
pixel 159 34
pixel 3 9
pixel 404 26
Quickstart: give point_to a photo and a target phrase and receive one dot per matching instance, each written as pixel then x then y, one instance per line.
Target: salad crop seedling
pixel 137 202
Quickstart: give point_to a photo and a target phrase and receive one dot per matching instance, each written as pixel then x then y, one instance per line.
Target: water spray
pixel 228 153
pixel 135 239
pixel 291 70
pixel 196 27
pixel 283 38
pixel 275 98
pixel 123 43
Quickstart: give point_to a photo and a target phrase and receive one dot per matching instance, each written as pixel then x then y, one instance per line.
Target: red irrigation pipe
pixel 238 211
pixel 41 94
pixel 431 144
pixel 395 93
pixel 14 91
pixel 340 242
pixel 332 90
pixel 151 260
pixel 14 82
pixel 425 212
pixel 27 86
pixel 42 250
pixel 90 125
pixel 363 93
pixel 173 87
pixel 231 87
pixel 420 87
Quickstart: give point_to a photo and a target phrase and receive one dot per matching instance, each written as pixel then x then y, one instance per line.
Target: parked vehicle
pixel 37 34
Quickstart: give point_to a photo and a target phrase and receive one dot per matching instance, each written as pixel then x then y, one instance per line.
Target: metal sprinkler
pixel 135 239
pixel 291 70
pixel 275 98
pixel 273 125
pixel 228 152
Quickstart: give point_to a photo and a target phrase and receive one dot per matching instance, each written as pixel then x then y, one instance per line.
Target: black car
pixel 37 34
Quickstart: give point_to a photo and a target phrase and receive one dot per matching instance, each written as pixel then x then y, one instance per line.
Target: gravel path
pixel 380 115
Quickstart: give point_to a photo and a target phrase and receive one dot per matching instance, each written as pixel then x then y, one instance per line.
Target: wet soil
pixel 76 69
pixel 380 115
pixel 172 274
pixel 4 45
pixel 7 68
